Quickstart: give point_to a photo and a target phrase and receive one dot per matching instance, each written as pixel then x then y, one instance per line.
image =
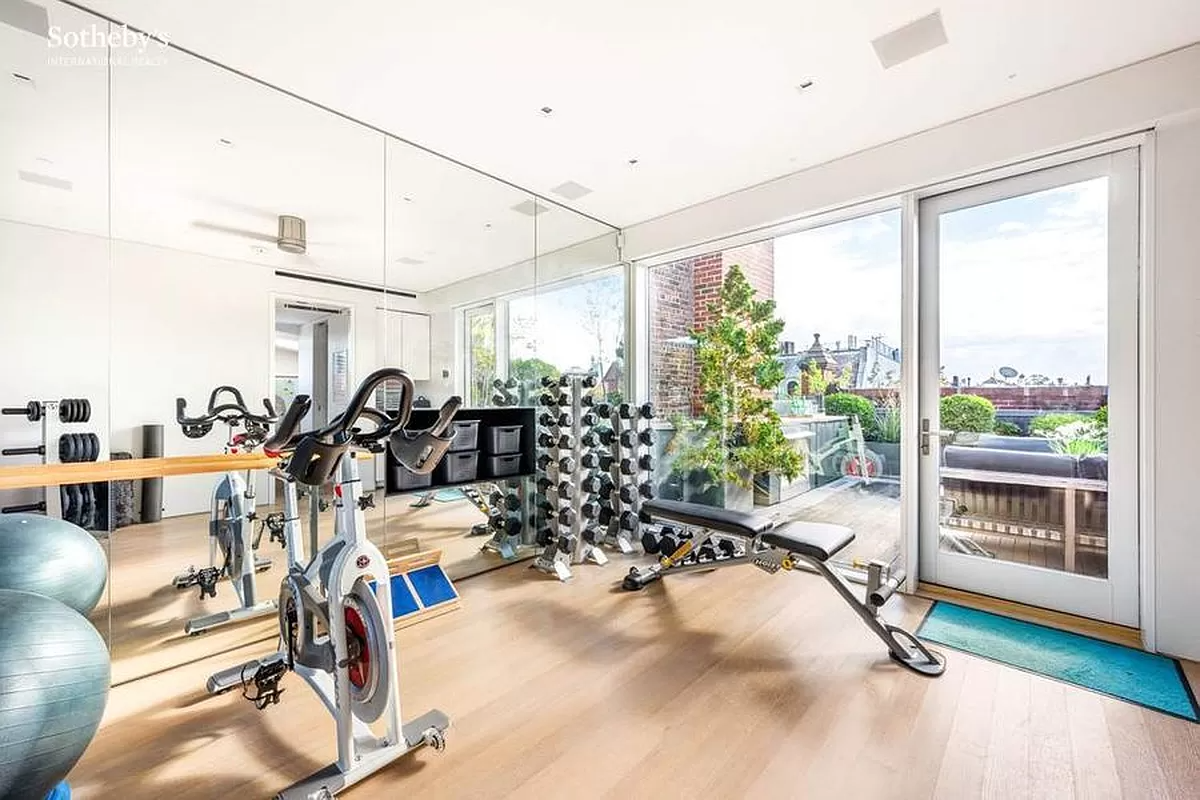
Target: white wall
pixel 135 329
pixel 1176 331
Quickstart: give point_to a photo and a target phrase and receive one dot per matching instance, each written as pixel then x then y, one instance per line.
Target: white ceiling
pixel 377 210
pixel 701 92
pixel 704 99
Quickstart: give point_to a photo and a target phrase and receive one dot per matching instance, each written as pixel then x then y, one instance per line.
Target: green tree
pixel 968 412
pixel 483 357
pixel 739 433
pixel 528 370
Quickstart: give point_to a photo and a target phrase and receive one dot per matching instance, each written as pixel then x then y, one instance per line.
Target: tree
pixel 739 433
pixel 483 357
pixel 531 369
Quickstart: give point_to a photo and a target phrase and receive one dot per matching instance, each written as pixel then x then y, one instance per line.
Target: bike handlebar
pixel 230 413
pixel 317 453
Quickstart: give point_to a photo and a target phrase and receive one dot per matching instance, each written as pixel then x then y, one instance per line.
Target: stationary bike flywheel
pixel 368 667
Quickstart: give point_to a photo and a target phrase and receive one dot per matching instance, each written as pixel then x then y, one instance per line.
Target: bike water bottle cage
pixel 233 414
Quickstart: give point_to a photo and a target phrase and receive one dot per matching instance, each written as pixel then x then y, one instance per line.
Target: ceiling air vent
pixel 530 208
pixel 916 38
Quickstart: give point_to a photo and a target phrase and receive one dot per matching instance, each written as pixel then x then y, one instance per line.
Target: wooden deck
pixel 873 513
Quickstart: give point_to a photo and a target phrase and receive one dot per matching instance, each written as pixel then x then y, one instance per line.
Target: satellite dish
pixel 1008 372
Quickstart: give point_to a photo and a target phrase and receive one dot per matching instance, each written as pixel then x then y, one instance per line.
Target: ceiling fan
pixel 290 237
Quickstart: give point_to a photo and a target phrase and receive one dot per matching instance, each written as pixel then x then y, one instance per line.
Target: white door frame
pixel 1115 599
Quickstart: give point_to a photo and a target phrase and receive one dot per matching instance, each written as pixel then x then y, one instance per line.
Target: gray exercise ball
pixel 54 675
pixel 52 557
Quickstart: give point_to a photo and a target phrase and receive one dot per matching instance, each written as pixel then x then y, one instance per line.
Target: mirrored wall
pixel 173 227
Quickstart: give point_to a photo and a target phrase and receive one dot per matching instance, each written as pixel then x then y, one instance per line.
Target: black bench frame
pixel 758 542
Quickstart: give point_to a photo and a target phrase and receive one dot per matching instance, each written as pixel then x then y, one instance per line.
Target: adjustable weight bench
pixel 770 547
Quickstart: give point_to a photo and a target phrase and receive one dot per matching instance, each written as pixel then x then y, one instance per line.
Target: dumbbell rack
pixel 53 415
pixel 631 470
pixel 565 533
pixel 509 504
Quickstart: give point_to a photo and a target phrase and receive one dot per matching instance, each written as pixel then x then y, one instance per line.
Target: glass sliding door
pixel 1028 341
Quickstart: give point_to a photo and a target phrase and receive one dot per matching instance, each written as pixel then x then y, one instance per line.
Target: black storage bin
pixel 466 435
pixel 502 466
pixel 503 439
pixel 459 467
pixel 404 479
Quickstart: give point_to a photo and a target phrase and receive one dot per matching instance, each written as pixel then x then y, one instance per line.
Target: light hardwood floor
pixel 727 684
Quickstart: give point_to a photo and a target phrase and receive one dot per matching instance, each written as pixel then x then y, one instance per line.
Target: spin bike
pixel 335 619
pixel 231 538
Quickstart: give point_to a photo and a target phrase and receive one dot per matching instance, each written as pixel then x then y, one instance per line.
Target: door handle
pixel 927 434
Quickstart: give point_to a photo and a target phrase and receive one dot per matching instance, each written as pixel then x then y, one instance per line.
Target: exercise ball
pixel 54 675
pixel 53 558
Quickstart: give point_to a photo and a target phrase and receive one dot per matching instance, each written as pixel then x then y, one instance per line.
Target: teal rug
pixel 1147 679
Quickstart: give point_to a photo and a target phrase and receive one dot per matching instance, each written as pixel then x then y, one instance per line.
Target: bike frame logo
pixel 103 45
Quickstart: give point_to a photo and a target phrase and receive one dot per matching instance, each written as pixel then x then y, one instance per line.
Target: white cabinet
pixel 405 342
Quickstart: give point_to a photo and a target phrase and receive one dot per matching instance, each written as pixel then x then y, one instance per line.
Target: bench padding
pixel 816 540
pixel 722 520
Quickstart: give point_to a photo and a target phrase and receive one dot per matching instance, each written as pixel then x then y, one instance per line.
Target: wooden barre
pixel 37 475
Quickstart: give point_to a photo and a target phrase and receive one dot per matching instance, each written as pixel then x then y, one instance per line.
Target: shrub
pixel 1101 417
pixel 1006 428
pixel 1083 438
pixel 968 412
pixel 1046 424
pixel 844 404
pixel 890 422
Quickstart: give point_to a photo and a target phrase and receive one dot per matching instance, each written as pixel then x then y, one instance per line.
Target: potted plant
pixel 738 433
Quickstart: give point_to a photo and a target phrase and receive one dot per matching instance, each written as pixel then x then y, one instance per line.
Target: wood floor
pixel 143 614
pixel 727 684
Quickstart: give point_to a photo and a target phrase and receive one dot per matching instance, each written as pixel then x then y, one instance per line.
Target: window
pixel 572 327
pixel 480 324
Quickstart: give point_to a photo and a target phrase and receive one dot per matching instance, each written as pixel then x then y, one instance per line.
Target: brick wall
pixel 679 296
pixel 672 315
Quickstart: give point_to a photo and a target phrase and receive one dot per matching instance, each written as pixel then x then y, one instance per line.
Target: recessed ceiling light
pixel 546 111
pixel 804 85
pixel 225 142
pixel 406 199
pixel 633 162
pixel 1012 75
pixel 257 250
pixel 487 225
pixel 23 80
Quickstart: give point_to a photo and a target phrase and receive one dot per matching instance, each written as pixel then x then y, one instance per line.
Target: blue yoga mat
pixel 1147 679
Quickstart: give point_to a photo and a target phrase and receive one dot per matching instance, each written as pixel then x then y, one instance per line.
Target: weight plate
pixel 87 516
pixel 95 446
pixel 87 410
pixel 64 448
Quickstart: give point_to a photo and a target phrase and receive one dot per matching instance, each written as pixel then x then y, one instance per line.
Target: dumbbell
pixel 629 521
pixel 603 410
pixel 627 493
pixel 590 460
pixel 668 542
pixel 588 382
pixel 706 553
pixel 589 510
pixel 646 490
pixel 566 544
pixel 566 465
pixel 646 411
pixel 631 438
pixel 589 438
pixel 546 439
pixel 643 463
pixel 508 525
pixel 625 411
pixel 547 419
pixel 564 490
pixel 564 420
pixel 606 487
pixel 591 484
pixel 544 537
pixel 605 515
pixel 545 504
pixel 651 542
pixel 548 399
pixel 544 461
pixel 587 400
pixel 644 516
pixel 566 517
pixel 588 420
pixel 544 483
pixel 607 435
pixel 548 380
pixel 726 548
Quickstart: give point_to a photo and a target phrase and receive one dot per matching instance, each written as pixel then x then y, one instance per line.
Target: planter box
pixel 889 454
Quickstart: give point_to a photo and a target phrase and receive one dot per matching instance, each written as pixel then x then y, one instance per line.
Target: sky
pixel 1023 284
